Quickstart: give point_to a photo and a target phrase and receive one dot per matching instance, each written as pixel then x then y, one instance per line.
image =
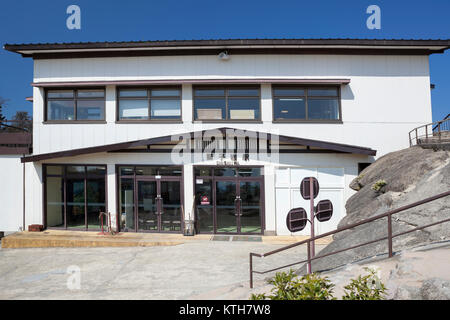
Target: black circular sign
pixel 305 189
pixel 296 219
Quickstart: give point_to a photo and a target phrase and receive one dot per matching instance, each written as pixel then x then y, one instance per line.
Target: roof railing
pixel 389 237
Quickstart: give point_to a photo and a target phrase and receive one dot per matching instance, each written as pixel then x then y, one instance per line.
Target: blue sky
pixel 45 21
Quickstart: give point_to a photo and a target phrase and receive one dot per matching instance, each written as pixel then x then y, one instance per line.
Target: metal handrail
pixel 389 237
pixel 428 133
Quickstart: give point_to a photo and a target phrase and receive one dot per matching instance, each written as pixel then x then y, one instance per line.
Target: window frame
pixel 64 175
pixel 149 98
pixel 307 97
pixel 226 88
pixel 75 100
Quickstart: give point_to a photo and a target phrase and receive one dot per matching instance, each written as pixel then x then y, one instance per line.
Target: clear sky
pixel 106 20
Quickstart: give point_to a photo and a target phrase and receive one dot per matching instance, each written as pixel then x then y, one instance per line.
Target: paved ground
pixel 188 270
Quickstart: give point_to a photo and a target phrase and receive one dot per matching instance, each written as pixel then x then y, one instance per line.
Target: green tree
pixel 22 120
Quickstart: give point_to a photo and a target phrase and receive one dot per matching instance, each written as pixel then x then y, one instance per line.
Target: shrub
pixel 368 287
pixel 378 185
pixel 287 286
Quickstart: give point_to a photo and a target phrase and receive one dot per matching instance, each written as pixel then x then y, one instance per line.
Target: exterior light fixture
pixel 224 56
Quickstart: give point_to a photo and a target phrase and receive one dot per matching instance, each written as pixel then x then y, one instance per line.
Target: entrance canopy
pixel 214 140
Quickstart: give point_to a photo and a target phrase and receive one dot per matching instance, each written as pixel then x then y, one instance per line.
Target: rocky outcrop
pixel 409 175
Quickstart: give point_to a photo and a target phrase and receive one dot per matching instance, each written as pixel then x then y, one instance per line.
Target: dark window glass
pixel 95 192
pixel 225 172
pixel 75 169
pixel 96 170
pixel 244 108
pixel 288 92
pixel 204 211
pixel 75 203
pixel 243 92
pixel 327 109
pixel 146 171
pixel 289 108
pixel 323 92
pixel 306 103
pixel 132 93
pixel 126 171
pixel 169 171
pixel 89 104
pixel 203 171
pixel 165 93
pixel 250 172
pixel 209 92
pixel 126 204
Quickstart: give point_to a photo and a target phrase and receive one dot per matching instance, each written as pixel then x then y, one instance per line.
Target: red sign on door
pixel 204 200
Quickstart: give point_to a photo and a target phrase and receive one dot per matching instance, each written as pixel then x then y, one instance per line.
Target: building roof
pixel 128 146
pixel 233 46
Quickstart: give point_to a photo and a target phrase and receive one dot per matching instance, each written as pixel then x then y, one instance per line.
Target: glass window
pixel 227 103
pixel 126 171
pixel 169 171
pixel 322 92
pixel 73 199
pixel 146 171
pixel 209 92
pixel 203 171
pixel 55 201
pixel 291 103
pixel 250 172
pixel 126 204
pixel 289 108
pixel 132 93
pixel 60 94
pixel 88 103
pixel 60 110
pixel 91 94
pixel 289 92
pixel 59 170
pixel 90 110
pixel 165 109
pixel 149 104
pixel 225 172
pixel 165 93
pixel 243 109
pixel 133 109
pixel 210 109
pixel 327 109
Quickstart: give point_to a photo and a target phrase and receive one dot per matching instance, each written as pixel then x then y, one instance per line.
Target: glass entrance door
pixel 159 205
pixel 250 207
pixel 226 203
pixel 147 208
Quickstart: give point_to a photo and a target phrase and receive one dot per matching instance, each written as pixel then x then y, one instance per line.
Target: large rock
pixel 411 175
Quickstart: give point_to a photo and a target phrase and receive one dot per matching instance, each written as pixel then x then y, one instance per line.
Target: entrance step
pixel 236 238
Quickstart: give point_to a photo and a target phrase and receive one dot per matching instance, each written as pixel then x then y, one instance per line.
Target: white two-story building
pixel 217 131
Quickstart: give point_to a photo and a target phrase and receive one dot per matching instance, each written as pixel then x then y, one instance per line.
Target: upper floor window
pixel 75 104
pixel 227 103
pixel 149 104
pixel 306 104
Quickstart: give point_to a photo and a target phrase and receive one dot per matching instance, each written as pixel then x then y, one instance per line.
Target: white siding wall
pixel 387 96
pixel 11 193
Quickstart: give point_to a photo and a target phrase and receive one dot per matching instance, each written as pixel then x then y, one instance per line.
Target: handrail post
pixel 426 133
pixel 251 271
pixel 390 235
pixel 417 137
pixel 439 131
pixel 410 142
pixel 308 265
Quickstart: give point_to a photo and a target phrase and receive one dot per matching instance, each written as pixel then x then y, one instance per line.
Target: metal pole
pixel 251 272
pixel 390 235
pixel 311 202
pixel 308 265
